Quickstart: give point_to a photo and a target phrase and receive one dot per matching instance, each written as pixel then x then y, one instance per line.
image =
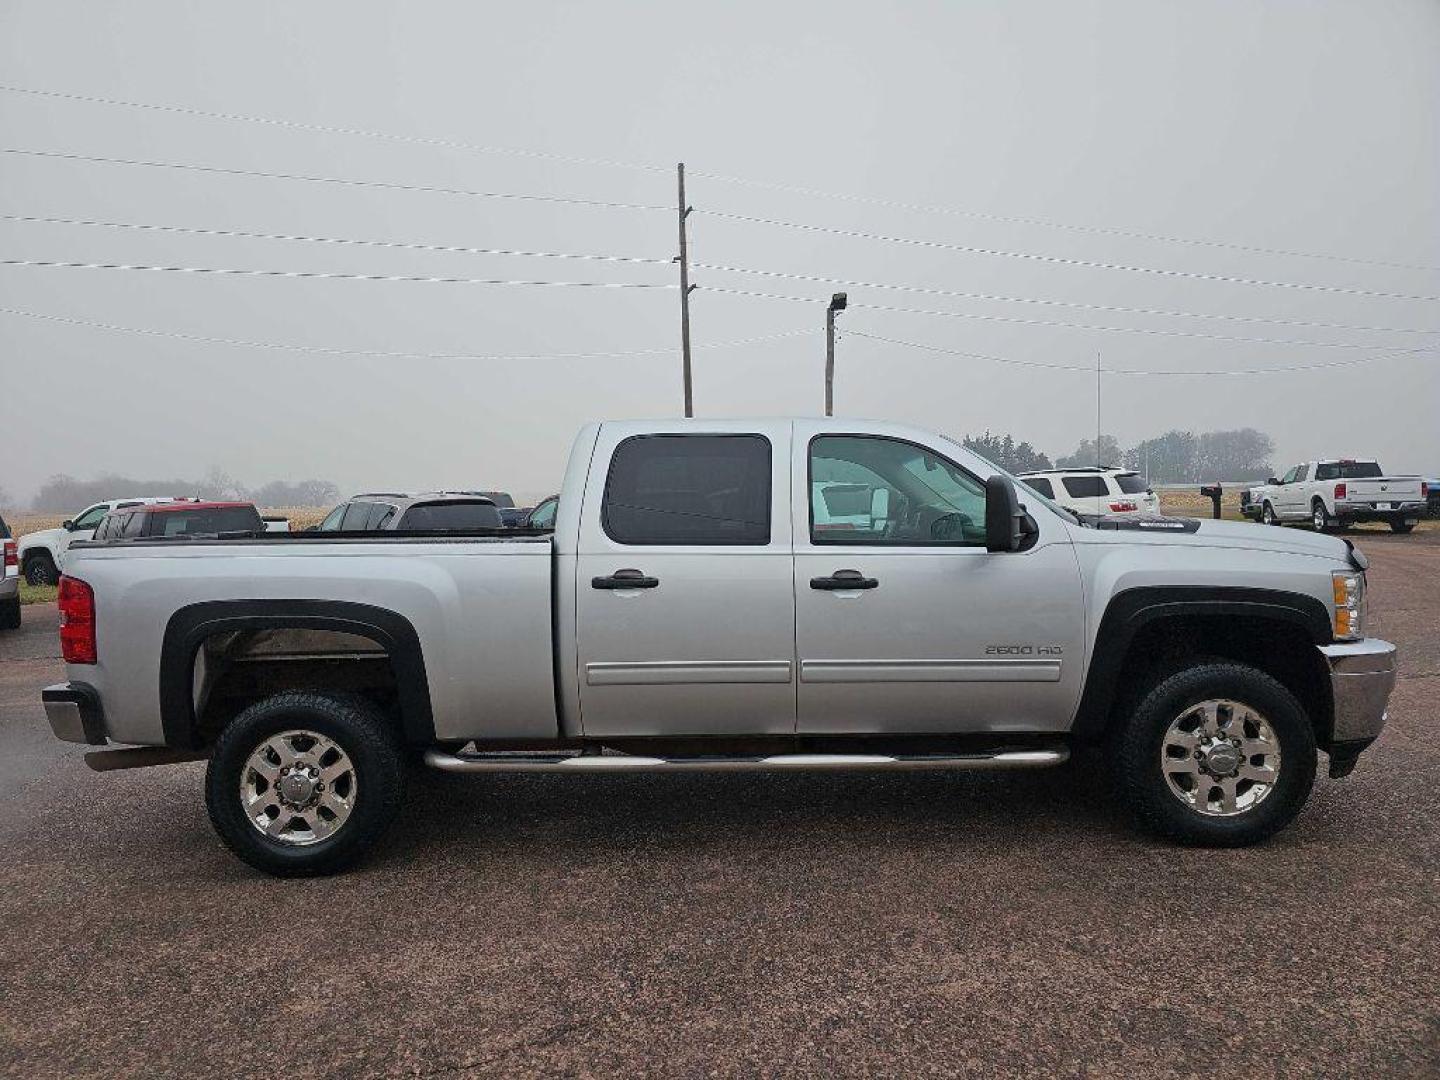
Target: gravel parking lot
pixel 900 925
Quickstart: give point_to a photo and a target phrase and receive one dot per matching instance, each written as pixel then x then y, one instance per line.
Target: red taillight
pixel 12 554
pixel 1122 507
pixel 77 621
pixel 1339 491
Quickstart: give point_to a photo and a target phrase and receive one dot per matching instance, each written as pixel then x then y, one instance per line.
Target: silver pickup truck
pixel 698 607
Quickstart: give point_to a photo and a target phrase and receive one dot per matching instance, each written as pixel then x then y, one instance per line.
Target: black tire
pixel 1401 527
pixel 359 729
pixel 1136 750
pixel 1320 517
pixel 40 570
pixel 10 614
pixel 1267 515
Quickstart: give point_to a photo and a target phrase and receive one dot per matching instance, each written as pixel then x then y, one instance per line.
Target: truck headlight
pixel 1349 588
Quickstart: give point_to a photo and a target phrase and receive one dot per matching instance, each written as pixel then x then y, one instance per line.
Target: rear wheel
pixel 10 614
pixel 40 569
pixel 304 783
pixel 1217 754
pixel 1319 517
pixel 1399 526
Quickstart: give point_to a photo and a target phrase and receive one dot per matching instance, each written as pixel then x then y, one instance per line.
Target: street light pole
pixel 684 261
pixel 837 305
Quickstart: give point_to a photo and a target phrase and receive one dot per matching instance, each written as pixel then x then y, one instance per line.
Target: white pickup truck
pixel 1338 492
pixel 689 612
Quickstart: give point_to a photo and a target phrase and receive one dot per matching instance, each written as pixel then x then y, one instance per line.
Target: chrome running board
pixel 579 762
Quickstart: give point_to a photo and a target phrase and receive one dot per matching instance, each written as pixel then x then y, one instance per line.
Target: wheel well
pixel 39 553
pixel 235 668
pixel 219 656
pixel 1283 650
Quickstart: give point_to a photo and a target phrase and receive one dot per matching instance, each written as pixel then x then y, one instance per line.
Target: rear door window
pixel 689 489
pixel 357 517
pixel 1085 487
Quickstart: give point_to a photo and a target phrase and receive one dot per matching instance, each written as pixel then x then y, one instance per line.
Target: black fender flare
pixel 190 626
pixel 1132 610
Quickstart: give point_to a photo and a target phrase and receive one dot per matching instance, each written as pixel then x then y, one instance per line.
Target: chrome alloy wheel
pixel 298 787
pixel 1220 758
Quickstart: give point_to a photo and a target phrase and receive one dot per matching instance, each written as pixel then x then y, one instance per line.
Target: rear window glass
pixel 689 489
pixel 1040 484
pixel 1348 470
pixel 1132 483
pixel 4 530
pixel 206 522
pixel 1085 487
pixel 450 517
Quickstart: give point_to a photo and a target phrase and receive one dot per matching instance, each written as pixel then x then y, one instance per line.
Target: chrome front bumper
pixel 1362 674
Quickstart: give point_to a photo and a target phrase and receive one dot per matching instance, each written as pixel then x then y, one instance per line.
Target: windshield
pixel 450 517
pixel 1348 470
pixel 204 522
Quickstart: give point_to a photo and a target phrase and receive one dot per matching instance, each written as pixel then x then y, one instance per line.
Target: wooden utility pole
pixel 684 261
pixel 838 303
pixel 1097 409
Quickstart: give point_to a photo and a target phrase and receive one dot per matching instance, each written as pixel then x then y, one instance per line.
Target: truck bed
pixel 478 605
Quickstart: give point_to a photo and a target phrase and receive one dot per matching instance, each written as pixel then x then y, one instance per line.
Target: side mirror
pixel 1272 481
pixel 68 525
pixel 1007 526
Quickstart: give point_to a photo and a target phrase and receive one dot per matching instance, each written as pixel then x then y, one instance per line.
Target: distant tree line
pixel 1177 457
pixel 63 494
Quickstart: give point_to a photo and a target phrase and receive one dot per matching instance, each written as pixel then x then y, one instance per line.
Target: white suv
pixel 1095 490
pixel 42 554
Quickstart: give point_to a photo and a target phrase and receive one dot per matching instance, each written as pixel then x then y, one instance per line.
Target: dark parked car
pixel 441 511
pixel 541 515
pixel 179 519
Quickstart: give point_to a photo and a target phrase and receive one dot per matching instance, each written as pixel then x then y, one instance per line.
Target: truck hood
pixel 43 538
pixel 1194 532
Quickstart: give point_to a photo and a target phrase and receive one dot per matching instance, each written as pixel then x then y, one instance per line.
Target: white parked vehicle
pixel 1336 492
pixel 1095 490
pixel 42 554
pixel 9 581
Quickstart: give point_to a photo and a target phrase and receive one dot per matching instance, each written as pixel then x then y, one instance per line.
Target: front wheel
pixel 1218 754
pixel 1267 515
pixel 304 783
pixel 40 570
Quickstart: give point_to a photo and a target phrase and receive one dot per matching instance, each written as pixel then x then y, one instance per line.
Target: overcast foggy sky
pixel 1302 126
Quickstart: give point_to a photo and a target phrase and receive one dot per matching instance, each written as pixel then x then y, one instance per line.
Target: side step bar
pixel 577 762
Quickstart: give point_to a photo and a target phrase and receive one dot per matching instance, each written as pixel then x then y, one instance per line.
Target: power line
pixel 1055 259
pixel 390 354
pixel 235 233
pixel 384 185
pixel 450 144
pixel 1066 325
pixel 1097 230
pixel 295 125
pixel 926 291
pixel 1088 370
pixel 49 264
